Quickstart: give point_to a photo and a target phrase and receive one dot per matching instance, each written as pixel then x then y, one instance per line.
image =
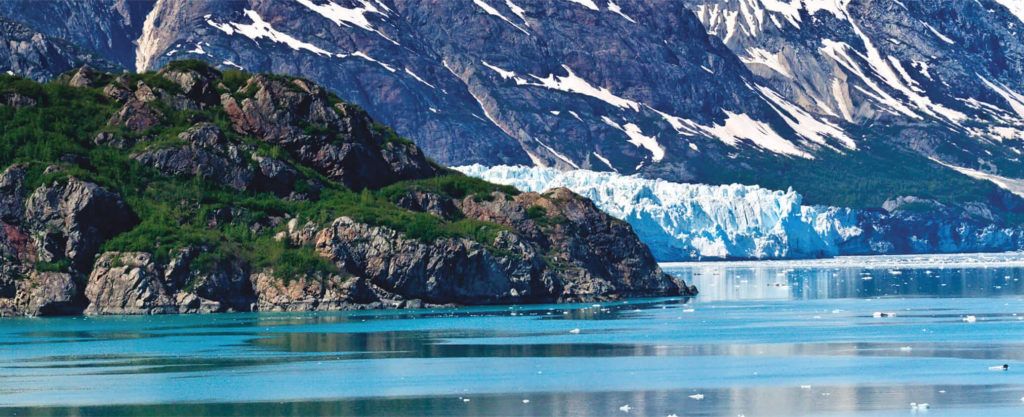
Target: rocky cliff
pixel 193 190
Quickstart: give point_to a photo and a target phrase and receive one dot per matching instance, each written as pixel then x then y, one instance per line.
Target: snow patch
pixel 774 61
pixel 1015 99
pixel 1016 7
pixel 741 126
pixel 1013 185
pixel 586 3
pixel 355 16
pixel 572 83
pixel 418 78
pixel 638 139
pixel 614 8
pixel 494 12
pixel 939 35
pixel 260 29
pixel 805 124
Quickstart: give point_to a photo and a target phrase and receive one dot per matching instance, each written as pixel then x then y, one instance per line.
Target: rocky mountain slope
pixel 851 103
pixel 683 222
pixel 193 190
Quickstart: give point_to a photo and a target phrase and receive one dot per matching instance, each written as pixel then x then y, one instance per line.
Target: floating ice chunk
pixel 697 397
pixel 625 408
pixel 970 319
pixel 575 331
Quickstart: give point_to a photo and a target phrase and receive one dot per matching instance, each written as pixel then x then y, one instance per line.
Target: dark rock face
pixel 207 154
pixel 338 140
pixel 587 255
pixel 71 220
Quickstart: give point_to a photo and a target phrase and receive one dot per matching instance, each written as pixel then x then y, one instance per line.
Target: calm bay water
pixel 763 339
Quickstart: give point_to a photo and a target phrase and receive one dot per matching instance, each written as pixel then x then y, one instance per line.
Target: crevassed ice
pixel 692 221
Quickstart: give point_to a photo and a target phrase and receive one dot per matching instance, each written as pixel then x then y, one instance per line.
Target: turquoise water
pixel 763 339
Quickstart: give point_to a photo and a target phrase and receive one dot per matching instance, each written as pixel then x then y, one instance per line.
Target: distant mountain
pixel 41 57
pixel 851 103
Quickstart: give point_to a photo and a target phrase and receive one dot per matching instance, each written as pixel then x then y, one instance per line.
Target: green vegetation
pixel 454 185
pixel 857 179
pixel 179 212
pixel 388 135
pixel 63 265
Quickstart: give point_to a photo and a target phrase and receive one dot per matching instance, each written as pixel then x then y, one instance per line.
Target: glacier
pixel 680 221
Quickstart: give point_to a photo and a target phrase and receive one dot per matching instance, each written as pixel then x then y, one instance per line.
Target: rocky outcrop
pixel 70 220
pixel 209 155
pixel 127 283
pixel 338 140
pixel 326 293
pixel 262 217
pixel 206 154
pixel 49 294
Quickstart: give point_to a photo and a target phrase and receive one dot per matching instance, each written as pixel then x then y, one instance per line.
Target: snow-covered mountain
pixel 851 103
pixel 695 221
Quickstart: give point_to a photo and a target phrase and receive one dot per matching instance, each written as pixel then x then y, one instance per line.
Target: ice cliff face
pixel 694 221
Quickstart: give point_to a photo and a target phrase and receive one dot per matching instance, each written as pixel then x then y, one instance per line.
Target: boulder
pixel 50 294
pixel 136 115
pixel 127 283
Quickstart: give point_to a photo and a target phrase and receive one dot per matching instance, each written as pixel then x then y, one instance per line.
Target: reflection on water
pixel 765 339
pixel 987 275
